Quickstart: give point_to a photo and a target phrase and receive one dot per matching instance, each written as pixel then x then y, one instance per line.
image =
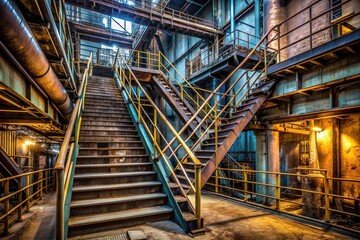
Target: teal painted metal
pixel 157 165
pixel 69 194
pixel 257 17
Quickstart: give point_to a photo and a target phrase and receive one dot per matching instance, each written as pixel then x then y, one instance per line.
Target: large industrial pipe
pixel 18 38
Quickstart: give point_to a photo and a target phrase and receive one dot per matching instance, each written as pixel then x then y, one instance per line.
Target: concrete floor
pixel 224 218
pixel 39 224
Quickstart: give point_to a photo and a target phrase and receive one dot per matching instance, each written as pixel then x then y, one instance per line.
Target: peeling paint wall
pixel 299 21
pixel 350 154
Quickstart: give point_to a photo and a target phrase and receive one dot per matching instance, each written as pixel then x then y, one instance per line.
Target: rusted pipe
pixel 18 38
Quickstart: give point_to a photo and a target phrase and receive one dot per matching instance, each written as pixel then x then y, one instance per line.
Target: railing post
pixel 47 181
pixel 19 186
pixel 278 44
pixel 148 59
pixel 182 93
pixel 278 191
pixel 60 231
pixel 6 207
pixel 138 59
pixel 159 60
pixel 139 104
pixel 327 200
pixel 41 185
pixel 245 177
pixel 216 149
pixel 27 193
pixel 265 60
pixel 198 195
pixel 155 131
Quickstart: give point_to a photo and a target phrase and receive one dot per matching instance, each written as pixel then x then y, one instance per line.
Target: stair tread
pixel 111 156
pixel 112 200
pixel 107 141
pixel 135 135
pixel 118 216
pixel 109 130
pixel 109 148
pixel 179 198
pixel 191 163
pixel 102 165
pixel 173 185
pixel 121 174
pixel 188 216
pixel 115 186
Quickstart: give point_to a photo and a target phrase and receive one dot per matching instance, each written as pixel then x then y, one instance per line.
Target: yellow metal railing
pixel 267 51
pixel 223 47
pixel 158 61
pixel 65 163
pixel 247 186
pixel 135 91
pixel 29 187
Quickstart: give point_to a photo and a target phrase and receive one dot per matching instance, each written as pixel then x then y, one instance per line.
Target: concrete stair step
pixel 96 107
pixel 102 222
pixel 116 124
pixel 109 138
pixel 113 168
pixel 111 190
pixel 90 179
pixel 103 205
pixel 107 115
pixel 97 128
pixel 111 144
pixel 97 132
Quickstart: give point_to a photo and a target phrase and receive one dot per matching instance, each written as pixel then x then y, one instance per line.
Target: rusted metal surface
pixel 20 41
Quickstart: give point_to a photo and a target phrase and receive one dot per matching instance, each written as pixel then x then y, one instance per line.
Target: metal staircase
pixel 146 114
pixel 114 182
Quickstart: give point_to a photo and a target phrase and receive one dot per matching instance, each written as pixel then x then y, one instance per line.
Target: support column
pixel 313 181
pixel 273 162
pixel 260 163
pixel 232 17
pixel 275 13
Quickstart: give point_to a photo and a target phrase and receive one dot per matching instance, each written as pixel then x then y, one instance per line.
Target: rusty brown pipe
pixel 18 38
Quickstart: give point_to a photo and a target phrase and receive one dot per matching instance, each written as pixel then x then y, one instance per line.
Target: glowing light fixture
pixel 28 142
pixel 317 126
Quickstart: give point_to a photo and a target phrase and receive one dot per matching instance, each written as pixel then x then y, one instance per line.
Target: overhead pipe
pixel 18 38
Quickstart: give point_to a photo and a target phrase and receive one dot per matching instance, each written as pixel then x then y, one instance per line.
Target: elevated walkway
pixel 144 13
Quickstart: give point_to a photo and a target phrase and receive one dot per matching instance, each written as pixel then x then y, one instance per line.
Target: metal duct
pixel 18 38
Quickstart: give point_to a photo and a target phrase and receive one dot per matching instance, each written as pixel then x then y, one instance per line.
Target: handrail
pixel 31 185
pixel 166 12
pixel 162 116
pixel 325 192
pixel 220 49
pixel 157 61
pixel 65 163
pixel 263 46
pixel 128 84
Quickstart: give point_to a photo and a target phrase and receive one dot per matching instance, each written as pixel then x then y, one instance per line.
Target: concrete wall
pixel 350 154
pixel 319 23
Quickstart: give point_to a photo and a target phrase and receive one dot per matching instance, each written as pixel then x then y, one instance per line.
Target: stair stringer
pixel 157 165
pixel 211 164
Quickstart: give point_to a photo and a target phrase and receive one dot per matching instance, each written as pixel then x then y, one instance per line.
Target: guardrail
pixel 28 188
pixel 66 161
pixel 224 47
pixel 278 192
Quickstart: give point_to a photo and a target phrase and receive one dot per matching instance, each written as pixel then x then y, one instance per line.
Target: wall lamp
pixel 317 126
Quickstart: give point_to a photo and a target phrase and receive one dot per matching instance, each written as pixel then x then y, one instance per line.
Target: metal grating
pixel 122 236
